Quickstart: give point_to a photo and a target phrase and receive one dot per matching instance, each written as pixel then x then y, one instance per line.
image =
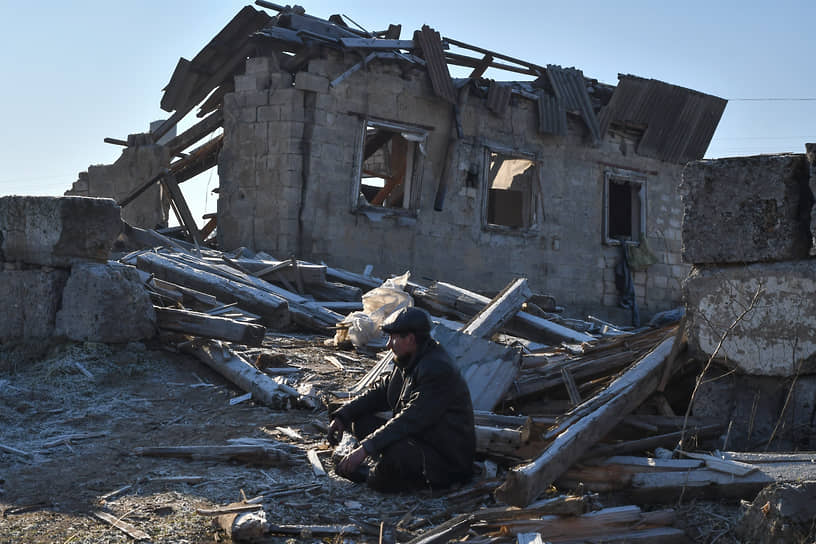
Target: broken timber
pixel 525 483
pixel 255 454
pixel 499 310
pixel 263 388
pixel 271 307
pixel 198 324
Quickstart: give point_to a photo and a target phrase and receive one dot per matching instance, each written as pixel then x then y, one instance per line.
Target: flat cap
pixel 408 320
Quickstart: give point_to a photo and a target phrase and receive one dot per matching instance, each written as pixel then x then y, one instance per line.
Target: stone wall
pixel 289 165
pixel 139 162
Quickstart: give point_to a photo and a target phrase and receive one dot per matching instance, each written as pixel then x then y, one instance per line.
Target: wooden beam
pixel 272 308
pixel 525 483
pixel 503 306
pixel 520 62
pixel 208 326
pixel 196 132
pixel 180 205
pixel 479 69
pixel 255 454
pixel 240 372
pixel 127 528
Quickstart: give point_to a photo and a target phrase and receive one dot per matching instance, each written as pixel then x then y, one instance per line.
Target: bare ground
pixel 72 415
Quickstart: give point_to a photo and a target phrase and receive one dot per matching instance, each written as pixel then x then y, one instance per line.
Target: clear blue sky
pixel 77 72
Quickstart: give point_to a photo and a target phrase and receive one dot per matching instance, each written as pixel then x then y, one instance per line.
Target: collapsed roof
pixel 675 124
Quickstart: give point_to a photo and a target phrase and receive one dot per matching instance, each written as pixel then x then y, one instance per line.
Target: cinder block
pixel 745 209
pixel 105 303
pixel 30 299
pixel 57 231
pixel 775 337
pixel 261 65
pixel 251 83
pixel 306 81
pixel 269 114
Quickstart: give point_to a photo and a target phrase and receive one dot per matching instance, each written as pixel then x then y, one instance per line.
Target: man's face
pixel 403 344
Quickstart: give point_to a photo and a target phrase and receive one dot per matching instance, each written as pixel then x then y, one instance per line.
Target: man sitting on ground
pixel 430 441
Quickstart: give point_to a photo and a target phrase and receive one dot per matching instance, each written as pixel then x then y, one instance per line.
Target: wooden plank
pixel 503 306
pixel 572 389
pixel 127 528
pixel 726 466
pixel 180 204
pixel 199 324
pixel 525 483
pixel 272 308
pixel 255 454
pixel 229 509
pixel 15 451
pixel 317 466
pixel 447 290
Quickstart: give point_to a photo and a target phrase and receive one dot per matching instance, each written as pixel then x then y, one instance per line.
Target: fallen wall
pixel 291 159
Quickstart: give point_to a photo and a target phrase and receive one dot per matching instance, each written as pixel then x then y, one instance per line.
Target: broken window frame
pixel 536 188
pixel 632 179
pixel 414 163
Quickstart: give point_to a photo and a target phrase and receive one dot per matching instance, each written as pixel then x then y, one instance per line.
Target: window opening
pixel 390 166
pixel 625 209
pixel 510 194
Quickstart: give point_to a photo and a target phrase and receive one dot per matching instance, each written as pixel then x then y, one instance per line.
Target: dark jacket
pixel 431 403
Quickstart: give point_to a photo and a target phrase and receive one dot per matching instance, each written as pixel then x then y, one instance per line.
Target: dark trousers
pixel 405 465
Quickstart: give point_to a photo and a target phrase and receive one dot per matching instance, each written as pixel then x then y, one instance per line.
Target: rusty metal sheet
pixel 431 45
pixel 570 86
pixel 552 117
pixel 498 97
pixel 678 122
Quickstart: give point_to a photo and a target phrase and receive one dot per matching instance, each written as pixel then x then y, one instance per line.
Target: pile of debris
pixel 577 409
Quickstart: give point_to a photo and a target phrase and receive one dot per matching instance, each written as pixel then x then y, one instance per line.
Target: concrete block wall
pixel 749 304
pixel 135 166
pixel 296 198
pixel 747 209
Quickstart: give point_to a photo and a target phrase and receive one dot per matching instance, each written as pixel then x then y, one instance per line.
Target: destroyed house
pixel 360 148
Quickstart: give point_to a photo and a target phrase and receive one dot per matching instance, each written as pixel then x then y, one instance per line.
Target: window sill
pixel 375 213
pixel 529 232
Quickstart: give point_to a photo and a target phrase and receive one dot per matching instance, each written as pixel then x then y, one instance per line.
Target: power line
pixel 772 99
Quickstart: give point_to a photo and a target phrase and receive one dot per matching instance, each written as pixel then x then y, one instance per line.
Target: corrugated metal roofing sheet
pixel 431 44
pixel 569 85
pixel 552 117
pixel 678 122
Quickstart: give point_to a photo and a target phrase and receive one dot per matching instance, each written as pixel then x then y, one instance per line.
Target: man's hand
pixel 350 462
pixel 336 429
